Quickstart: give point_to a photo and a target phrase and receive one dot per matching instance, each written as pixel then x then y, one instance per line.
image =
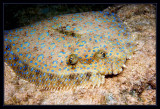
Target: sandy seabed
pixel 135 85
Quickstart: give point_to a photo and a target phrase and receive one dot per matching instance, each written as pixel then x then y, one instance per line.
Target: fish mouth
pixel 101 63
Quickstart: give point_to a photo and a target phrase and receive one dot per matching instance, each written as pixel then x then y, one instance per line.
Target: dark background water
pixel 17 15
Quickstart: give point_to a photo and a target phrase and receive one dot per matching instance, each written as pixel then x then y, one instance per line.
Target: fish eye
pixel 100 54
pixel 73 59
pixel 103 54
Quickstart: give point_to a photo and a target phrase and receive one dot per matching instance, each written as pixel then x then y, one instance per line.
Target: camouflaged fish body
pixel 69 50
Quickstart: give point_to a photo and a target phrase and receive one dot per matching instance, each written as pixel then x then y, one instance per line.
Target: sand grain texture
pixel 136 85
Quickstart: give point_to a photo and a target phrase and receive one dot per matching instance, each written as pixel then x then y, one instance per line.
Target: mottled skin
pixel 69 50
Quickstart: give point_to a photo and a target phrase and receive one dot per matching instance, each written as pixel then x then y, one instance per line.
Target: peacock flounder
pixel 69 50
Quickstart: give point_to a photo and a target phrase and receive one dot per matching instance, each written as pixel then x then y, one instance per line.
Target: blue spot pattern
pixel 39 56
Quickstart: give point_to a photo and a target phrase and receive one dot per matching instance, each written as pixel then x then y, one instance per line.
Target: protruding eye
pixel 100 54
pixel 73 59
